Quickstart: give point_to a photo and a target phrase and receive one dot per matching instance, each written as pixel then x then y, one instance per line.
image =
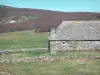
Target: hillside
pixel 41 20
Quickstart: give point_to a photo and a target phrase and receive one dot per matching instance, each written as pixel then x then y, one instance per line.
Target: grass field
pixel 41 53
pixel 69 66
pixel 72 54
pixel 29 39
pixel 23 39
pixel 58 67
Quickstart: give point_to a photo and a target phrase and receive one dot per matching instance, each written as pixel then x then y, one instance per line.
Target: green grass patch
pixel 56 67
pixel 66 67
pixel 23 39
pixel 76 54
pixel 39 53
pixel 29 54
pixel 35 53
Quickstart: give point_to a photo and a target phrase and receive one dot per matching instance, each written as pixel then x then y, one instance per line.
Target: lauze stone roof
pixel 78 30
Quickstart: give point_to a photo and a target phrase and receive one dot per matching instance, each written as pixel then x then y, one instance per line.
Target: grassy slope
pixel 59 67
pixel 24 39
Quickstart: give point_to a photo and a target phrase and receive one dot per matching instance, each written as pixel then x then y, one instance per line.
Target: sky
pixel 56 5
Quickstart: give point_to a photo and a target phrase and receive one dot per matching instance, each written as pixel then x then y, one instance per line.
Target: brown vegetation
pixel 46 19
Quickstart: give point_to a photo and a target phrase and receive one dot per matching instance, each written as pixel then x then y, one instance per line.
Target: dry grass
pixel 59 67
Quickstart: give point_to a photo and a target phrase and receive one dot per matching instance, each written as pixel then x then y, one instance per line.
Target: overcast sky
pixel 59 5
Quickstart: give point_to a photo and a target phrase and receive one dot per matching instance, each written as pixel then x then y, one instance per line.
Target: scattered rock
pixel 4 73
pixel 83 63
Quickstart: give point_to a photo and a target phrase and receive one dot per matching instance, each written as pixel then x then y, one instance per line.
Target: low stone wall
pixel 46 58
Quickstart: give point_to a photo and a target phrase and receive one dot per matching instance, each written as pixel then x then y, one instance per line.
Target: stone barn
pixel 75 35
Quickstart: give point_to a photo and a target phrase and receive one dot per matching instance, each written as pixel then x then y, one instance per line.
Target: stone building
pixel 75 35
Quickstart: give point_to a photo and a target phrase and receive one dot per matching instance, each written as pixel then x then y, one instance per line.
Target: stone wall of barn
pixel 74 45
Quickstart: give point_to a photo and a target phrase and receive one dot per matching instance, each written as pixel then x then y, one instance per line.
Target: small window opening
pixel 64 43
